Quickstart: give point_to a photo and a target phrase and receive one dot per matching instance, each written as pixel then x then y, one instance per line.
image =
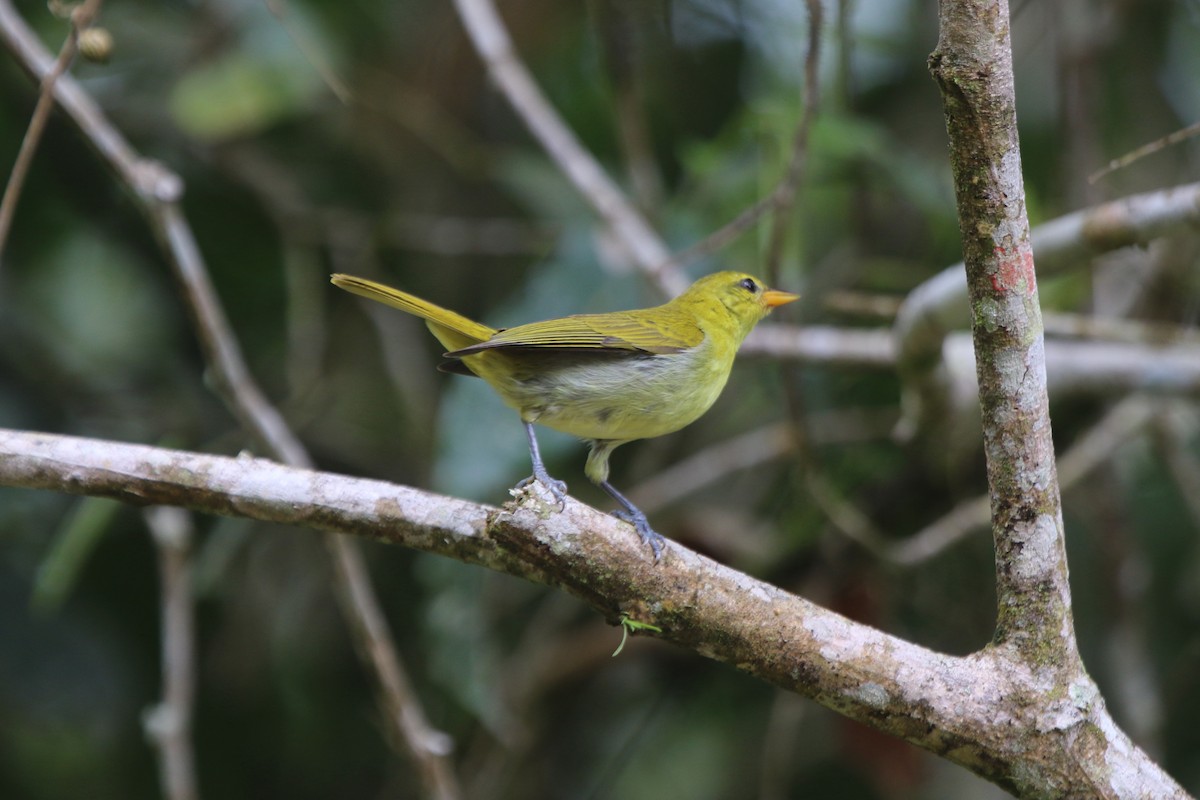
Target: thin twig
pixel 81 16
pixel 230 375
pixel 494 46
pixel 1178 136
pixel 1176 429
pixel 753 448
pixel 169 724
pixel 320 64
pixel 1093 449
pixel 785 196
pixel 1124 331
pixel 429 748
pixel 967 517
pixel 842 514
pixel 713 463
pixel 457 236
pixel 782 195
pixel 746 219
pixel 865 304
pixel 434 126
pixel 618 35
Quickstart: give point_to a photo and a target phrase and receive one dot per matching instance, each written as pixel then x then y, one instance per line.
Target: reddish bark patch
pixel 1014 270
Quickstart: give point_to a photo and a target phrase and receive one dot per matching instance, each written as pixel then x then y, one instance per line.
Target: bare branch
pixel 320 64
pixel 711 464
pixel 785 195
pixel 751 449
pixel 615 23
pixel 428 747
pixel 1093 449
pixel 823 344
pixel 1183 134
pixel 1092 368
pixel 159 192
pixel 80 17
pixel 878 306
pixel 1177 428
pixel 255 488
pixel 746 219
pixel 169 724
pixel 972 66
pixel 644 247
pixel 938 305
pixel 964 708
pixel 1127 331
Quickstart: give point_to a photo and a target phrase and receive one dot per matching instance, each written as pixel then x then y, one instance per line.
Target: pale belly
pixel 609 395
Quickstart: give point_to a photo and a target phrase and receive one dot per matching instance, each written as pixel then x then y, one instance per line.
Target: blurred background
pixel 810 472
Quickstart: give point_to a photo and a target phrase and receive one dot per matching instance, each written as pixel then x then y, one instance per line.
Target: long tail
pixel 453 330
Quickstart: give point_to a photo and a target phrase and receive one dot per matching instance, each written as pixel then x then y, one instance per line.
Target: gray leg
pixel 557 488
pixel 634 516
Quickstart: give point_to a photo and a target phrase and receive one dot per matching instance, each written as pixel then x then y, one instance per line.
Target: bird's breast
pixel 607 394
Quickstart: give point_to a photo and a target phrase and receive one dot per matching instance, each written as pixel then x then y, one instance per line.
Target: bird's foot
pixel 553 485
pixel 638 520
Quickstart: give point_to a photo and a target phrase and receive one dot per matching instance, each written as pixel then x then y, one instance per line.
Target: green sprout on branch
pixel 627 625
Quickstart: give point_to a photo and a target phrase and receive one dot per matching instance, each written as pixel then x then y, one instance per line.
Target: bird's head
pixel 743 298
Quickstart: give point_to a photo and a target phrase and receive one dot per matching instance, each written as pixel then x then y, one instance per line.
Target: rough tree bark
pixel 973 68
pixel 1034 629
pixel 1005 717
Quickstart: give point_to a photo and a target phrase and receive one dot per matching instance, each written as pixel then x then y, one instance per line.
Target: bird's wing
pixel 623 330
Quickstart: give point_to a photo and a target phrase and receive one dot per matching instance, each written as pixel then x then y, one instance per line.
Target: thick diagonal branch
pixel 989 711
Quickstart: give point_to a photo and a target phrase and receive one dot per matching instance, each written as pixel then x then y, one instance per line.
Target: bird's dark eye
pixel 749 285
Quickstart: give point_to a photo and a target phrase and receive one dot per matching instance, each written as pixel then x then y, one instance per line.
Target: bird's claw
pixel 553 485
pixel 642 526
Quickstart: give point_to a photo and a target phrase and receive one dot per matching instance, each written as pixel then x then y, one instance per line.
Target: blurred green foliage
pixel 427 180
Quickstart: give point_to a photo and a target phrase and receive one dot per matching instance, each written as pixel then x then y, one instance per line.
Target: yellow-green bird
pixel 607 378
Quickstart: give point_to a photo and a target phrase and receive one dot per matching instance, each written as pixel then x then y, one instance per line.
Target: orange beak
pixel 773 297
